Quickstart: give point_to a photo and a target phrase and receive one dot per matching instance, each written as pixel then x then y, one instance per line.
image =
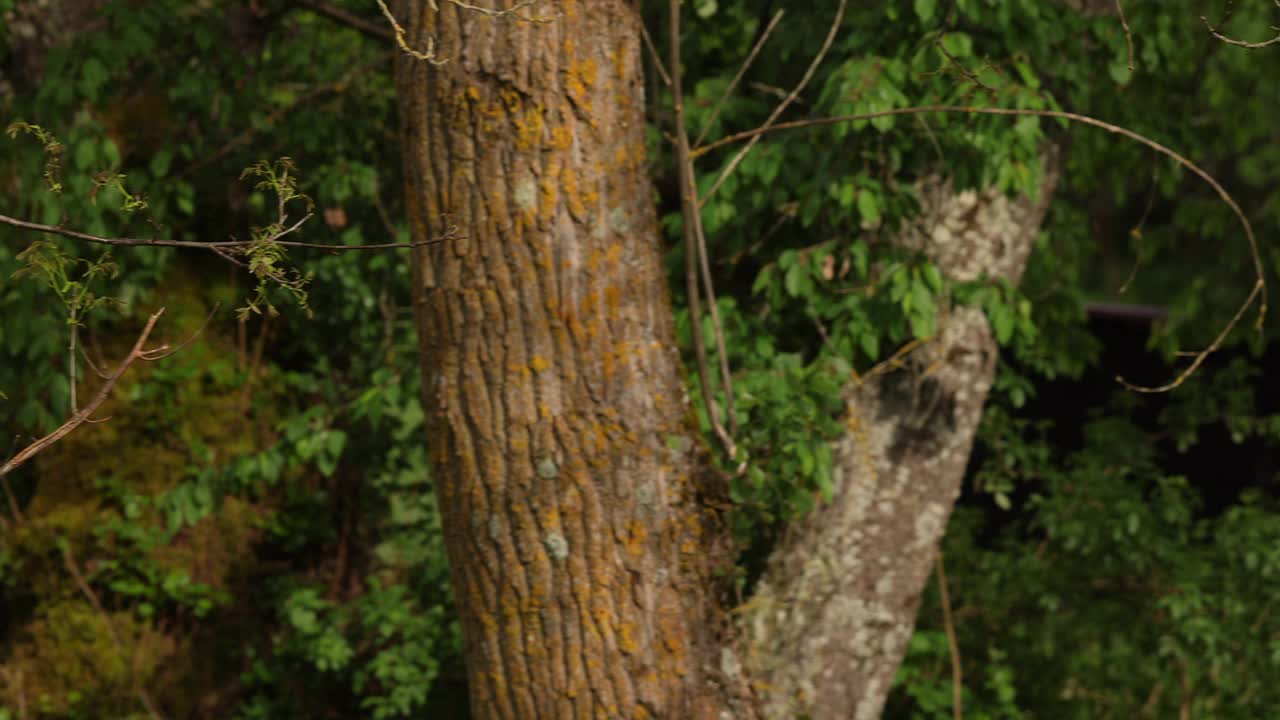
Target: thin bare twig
pixel 1258 293
pixel 153 355
pixel 786 102
pixel 1128 34
pixel 957 676
pixel 1240 43
pixel 692 233
pixel 219 245
pixel 13 500
pixel 79 418
pixel 653 53
pixel 733 84
pixel 71 361
pixel 429 54
pixel 351 20
pixel 1136 232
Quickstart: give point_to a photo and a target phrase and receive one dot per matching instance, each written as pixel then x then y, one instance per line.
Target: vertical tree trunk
pixel 829 623
pixel 551 376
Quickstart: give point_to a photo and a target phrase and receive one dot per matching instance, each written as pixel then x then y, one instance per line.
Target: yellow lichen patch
pixel 620 56
pixel 528 128
pixel 606 366
pixel 604 614
pixel 672 632
pixel 511 99
pixel 539 363
pixel 613 254
pixel 627 639
pixel 550 517
pixel 561 138
pixel 636 539
pixel 575 199
pixel 548 196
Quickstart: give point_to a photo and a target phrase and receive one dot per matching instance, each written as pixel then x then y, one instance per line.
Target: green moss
pixel 67 663
pixel 94 493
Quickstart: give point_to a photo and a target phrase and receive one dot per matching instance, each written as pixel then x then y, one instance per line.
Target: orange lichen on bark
pixel 547 375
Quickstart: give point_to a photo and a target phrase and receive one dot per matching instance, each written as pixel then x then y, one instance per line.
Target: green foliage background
pixel 263 534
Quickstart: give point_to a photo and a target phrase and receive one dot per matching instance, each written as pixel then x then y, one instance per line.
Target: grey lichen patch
pixel 547 468
pixel 929 524
pixel 495 527
pixel 526 194
pixel 729 663
pixel 557 546
pixel 646 497
pixel 619 221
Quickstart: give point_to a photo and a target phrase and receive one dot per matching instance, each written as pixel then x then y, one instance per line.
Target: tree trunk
pixel 829 624
pixel 556 413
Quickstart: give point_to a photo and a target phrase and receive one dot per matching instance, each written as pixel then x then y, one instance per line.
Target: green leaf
pixel 925 9
pixel 159 164
pixel 797 281
pixel 869 206
pixel 85 154
pixel 870 344
pixel 933 278
pixel 1119 71
pixel 1002 318
pixel 957 44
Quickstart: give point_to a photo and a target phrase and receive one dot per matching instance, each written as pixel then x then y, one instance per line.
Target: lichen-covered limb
pixel 830 621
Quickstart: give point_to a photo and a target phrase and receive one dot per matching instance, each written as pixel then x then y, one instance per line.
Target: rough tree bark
pixel 556 412
pixel 828 626
pixel 557 415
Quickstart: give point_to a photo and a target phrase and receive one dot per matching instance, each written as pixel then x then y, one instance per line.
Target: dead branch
pixel 1240 43
pixel 213 246
pixel 351 20
pixel 957 675
pixel 137 353
pixel 737 78
pixel 695 248
pixel 786 102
